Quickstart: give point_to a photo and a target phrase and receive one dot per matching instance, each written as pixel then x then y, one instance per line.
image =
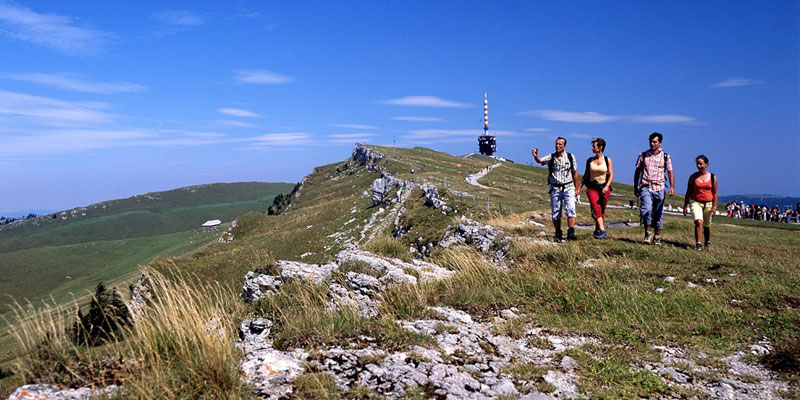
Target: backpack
pixel 551 163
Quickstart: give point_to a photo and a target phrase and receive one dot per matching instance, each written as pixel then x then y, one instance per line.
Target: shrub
pixel 106 319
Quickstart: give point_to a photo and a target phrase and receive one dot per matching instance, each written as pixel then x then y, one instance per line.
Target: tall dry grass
pixel 182 347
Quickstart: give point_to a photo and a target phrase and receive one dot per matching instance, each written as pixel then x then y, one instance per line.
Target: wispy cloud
pixel 59 33
pixel 418 119
pixel 663 119
pixel 178 18
pixel 281 139
pixel 580 135
pixel 75 83
pixel 425 101
pixel 355 126
pixel 449 135
pixel 237 124
pixel 594 117
pixel 239 112
pixel 735 81
pixel 261 77
pixel 340 138
pixel 65 141
pixel 537 130
pixel 49 111
pixel 570 116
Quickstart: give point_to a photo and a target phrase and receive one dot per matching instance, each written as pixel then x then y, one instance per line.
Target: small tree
pixel 105 320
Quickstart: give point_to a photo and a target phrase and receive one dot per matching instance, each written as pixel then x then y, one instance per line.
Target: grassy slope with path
pixel 747 287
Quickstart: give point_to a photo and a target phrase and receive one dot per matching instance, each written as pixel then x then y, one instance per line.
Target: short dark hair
pixel 702 157
pixel 564 139
pixel 600 143
pixel 658 135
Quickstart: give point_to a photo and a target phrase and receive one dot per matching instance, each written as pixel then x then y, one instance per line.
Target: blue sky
pixel 102 100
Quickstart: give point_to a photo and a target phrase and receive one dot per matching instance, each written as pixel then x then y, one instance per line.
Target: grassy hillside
pixel 106 241
pixel 149 214
pixel 628 296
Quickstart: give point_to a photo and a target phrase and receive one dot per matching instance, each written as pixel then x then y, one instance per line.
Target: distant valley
pixel 70 251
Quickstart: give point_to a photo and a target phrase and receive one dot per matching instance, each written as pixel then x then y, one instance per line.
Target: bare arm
pixel 671 183
pixel 716 197
pixel 535 153
pixel 583 180
pixel 610 176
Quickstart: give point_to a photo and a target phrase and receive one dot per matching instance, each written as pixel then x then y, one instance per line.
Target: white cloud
pixel 418 119
pixel 179 18
pixel 355 126
pixel 425 101
pixel 593 117
pixel 664 119
pixel 352 135
pixel 580 135
pixel 282 139
pixel 237 124
pixel 537 130
pixel 262 77
pixel 50 111
pixel 734 81
pixel 57 32
pixel 239 112
pixel 74 83
pixel 440 135
pixel 570 116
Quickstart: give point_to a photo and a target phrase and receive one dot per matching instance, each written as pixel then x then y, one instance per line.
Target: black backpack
pixel 551 163
pixel 690 189
pixel 589 160
pixel 644 155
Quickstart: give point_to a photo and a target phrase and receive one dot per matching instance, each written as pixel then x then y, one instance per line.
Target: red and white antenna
pixel 485 114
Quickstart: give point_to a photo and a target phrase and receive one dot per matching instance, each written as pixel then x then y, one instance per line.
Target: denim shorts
pixel 567 195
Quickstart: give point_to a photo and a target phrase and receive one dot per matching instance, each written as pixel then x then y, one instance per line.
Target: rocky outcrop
pixel 485 238
pixel 366 156
pixel 51 392
pixel 269 372
pixel 141 294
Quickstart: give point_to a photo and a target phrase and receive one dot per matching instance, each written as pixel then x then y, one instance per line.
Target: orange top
pixel 701 191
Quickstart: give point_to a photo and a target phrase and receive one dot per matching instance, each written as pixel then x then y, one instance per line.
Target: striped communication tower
pixel 487 144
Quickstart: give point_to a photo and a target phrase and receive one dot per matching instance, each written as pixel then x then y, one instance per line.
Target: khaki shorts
pixel 701 211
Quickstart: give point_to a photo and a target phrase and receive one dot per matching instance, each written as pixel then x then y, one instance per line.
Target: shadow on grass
pixel 664 242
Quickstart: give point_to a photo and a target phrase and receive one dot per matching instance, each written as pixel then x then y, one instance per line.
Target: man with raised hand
pixel 652 167
pixel 563 175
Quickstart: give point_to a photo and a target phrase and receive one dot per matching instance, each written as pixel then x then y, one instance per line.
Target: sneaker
pixel 603 235
pixel 648 238
pixel 707 246
pixel 657 240
pixel 558 238
pixel 571 234
pixel 698 246
pixel 596 234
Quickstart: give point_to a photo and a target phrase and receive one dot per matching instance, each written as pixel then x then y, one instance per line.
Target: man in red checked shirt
pixel 652 167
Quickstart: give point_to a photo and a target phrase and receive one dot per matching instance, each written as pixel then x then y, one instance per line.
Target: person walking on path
pixel 653 166
pixel 597 178
pixel 701 199
pixel 562 178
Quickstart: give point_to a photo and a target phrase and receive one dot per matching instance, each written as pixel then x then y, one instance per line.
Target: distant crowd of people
pixel 762 212
pixel 653 168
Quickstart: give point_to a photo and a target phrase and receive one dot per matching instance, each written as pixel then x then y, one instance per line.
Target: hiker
pixel 653 166
pixel 562 178
pixel 701 197
pixel 597 178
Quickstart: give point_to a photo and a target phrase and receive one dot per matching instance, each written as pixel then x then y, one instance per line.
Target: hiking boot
pixel 603 235
pixel 648 238
pixel 558 238
pixel 698 246
pixel 707 246
pixel 657 240
pixel 596 234
pixel 571 234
